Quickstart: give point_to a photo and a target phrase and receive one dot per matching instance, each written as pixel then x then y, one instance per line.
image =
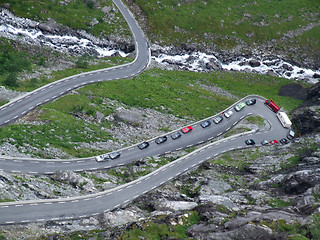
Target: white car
pixel 228 114
pixel 102 158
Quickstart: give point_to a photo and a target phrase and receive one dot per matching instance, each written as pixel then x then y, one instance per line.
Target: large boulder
pixel 129 116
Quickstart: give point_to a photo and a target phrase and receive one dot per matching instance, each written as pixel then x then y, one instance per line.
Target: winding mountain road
pixel 94 204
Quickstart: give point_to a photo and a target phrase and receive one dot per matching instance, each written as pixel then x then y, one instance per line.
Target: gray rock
pixel 199 231
pixel 287 67
pixel 75 179
pixel 300 181
pixel 216 199
pixel 121 217
pixel 99 117
pixel 254 63
pixel 247 232
pixel 175 205
pixel 214 187
pixel 130 116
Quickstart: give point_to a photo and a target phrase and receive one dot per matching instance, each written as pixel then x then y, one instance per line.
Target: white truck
pixel 284 119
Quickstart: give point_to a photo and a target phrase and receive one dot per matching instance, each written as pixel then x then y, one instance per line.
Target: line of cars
pixel 176 135
pixel 163 139
pixel 272 142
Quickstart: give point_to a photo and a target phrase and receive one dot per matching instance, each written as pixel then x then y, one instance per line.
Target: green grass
pixel 160 231
pixel 255 120
pixel 236 131
pixel 226 23
pixel 32 84
pixel 169 91
pixel 76 14
pixel 279 203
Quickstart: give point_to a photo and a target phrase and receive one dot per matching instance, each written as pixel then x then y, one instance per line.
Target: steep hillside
pixel 288 29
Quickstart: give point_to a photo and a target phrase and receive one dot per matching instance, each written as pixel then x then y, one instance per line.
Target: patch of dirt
pixel 294 90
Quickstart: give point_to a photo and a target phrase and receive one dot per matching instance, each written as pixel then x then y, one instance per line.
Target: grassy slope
pixel 225 24
pixel 178 92
pixel 76 14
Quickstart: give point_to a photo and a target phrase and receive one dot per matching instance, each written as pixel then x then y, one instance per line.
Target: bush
pixel 11 80
pixel 82 62
pixel 315 226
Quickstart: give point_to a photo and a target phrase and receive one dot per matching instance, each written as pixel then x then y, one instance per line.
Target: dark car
pixel 143 145
pixel 205 124
pixel 283 141
pixel 186 129
pixel 114 155
pixel 217 119
pixel 176 135
pixel 250 142
pixel 251 102
pixel 160 140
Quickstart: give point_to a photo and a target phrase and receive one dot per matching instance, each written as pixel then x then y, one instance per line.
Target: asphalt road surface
pixel 90 205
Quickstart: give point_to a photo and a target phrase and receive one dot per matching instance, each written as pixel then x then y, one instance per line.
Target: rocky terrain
pixel 270 192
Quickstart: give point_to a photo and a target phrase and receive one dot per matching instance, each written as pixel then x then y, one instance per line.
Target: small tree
pixel 11 80
pixel 82 61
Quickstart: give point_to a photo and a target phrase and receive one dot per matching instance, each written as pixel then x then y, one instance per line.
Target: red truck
pixel 272 105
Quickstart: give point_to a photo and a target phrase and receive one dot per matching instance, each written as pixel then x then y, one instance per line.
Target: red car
pixel 273 142
pixel 186 129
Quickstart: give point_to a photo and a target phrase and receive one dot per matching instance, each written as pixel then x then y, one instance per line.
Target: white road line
pixel 208 158
pixel 129 186
pixel 228 129
pixel 65 162
pixel 48 203
pixel 210 138
pixel 93 168
pixel 33 204
pixel 234 123
pixel 17 160
pixel 179 148
pixel 61 202
pixel 25 221
pixel 119 190
pixel 54 219
pixel 4 206
pixel 118 205
pixel 18 205
pixel 9 222
pixel 80 161
pixel 231 149
pixel 200 142
pixel 189 145
pixel 87 199
pixel 99 196
pixel 219 134
pixel 40 220
pixel 75 201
